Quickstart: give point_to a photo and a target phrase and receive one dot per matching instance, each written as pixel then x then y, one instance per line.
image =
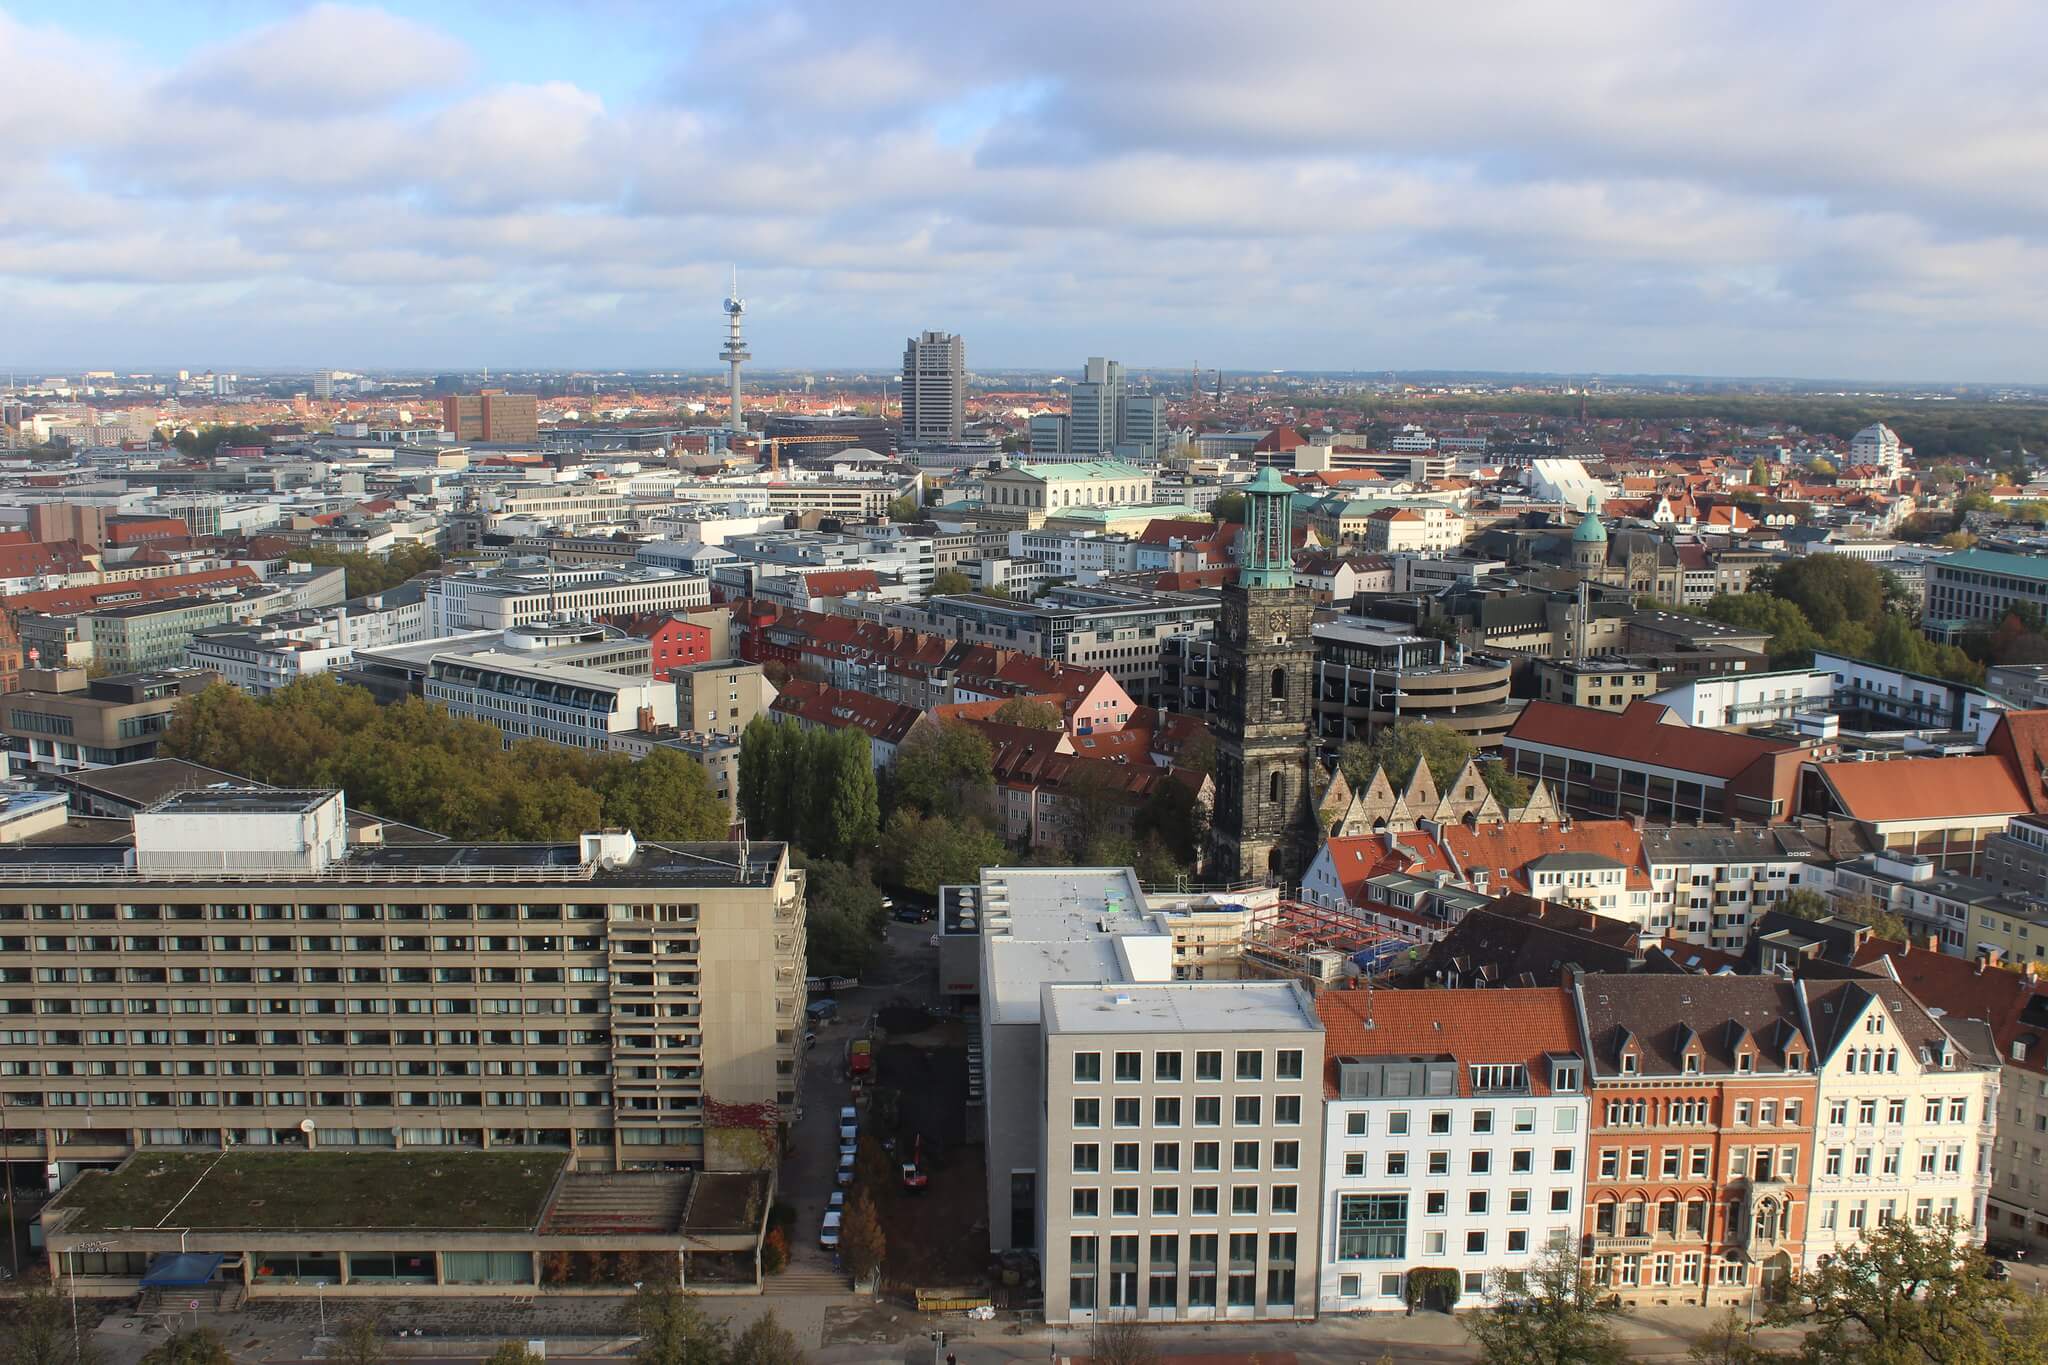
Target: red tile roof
pixel 1645 733
pixel 1503 850
pixel 2021 738
pixel 840 582
pixel 130 592
pixel 2013 1003
pixel 1472 1027
pixel 1926 788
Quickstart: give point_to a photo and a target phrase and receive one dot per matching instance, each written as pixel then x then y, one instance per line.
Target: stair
pixel 802 1279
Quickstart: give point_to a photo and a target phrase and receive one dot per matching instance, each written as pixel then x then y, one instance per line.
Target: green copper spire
pixel 1265 552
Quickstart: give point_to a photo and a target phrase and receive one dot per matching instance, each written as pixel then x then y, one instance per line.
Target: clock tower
pixel 1262 823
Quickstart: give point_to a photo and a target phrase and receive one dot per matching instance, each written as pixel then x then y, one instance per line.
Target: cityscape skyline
pixel 1619 204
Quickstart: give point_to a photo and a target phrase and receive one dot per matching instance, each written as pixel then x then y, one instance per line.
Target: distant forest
pixel 1935 430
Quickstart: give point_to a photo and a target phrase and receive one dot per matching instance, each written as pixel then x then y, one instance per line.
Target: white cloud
pixel 1739 188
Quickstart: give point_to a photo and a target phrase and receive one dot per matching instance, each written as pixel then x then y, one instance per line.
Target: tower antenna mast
pixel 735 352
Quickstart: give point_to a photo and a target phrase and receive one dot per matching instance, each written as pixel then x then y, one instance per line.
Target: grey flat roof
pixel 1180 1007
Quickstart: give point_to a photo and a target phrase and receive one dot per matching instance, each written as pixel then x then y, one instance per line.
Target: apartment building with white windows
pixel 1906 1121
pixel 1451 1138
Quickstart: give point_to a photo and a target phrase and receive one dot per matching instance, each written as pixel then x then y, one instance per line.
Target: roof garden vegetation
pixel 316 1190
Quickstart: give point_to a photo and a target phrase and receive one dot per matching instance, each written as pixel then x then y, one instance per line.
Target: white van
pixel 828 1236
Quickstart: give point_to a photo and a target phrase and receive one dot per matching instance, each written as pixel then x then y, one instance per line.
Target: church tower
pixel 1263 823
pixel 1589 545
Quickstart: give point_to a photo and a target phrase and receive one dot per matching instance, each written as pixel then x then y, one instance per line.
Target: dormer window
pixel 1692 1063
pixel 1795 1061
pixel 1745 1062
pixel 2019 1050
pixel 1628 1061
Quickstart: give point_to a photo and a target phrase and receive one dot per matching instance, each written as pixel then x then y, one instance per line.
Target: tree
pixel 361 1341
pixel 945 768
pixel 667 795
pixel 1906 1292
pixel 904 509
pixel 766 1342
pixel 1030 713
pixel 838 806
pixel 950 583
pixel 1120 1340
pixel 922 853
pixel 1399 747
pixel 673 1329
pixel 1805 904
pixel 766 777
pixel 1731 1341
pixel 196 1347
pixel 513 1353
pixel 1173 815
pixel 368 573
pixel 1883 921
pixel 1831 590
pixel 1509 789
pixel 36 1330
pixel 1549 1314
pixel 1198 755
pixel 861 1243
pixel 1228 507
pixel 842 917
pixel 1822 465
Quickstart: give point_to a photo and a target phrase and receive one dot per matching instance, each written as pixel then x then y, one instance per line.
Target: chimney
pixel 645 719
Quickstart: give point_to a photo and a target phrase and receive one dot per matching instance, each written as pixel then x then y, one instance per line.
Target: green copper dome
pixel 1590 531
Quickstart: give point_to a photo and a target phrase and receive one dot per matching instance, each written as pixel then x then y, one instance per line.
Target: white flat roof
pixel 1180 1007
pixel 1064 925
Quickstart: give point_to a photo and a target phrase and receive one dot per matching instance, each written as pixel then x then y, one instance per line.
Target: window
pixel 1475 1201
pixel 1482 1162
pixel 1287 1064
pixel 1129 1113
pixel 1130 1066
pixel 1372 1227
pixel 1482 1120
pixel 1355 1125
pixel 1287 1110
pixel 1436 1203
pixel 1397 1123
pixel 1475 1243
pixel 1123 1201
pixel 1208 1066
pixel 1203 1201
pixel 1251 1066
pixel 1208 1156
pixel 1166 1066
pixel 1208 1111
pixel 1440 1121
pixel 1286 1199
pixel 1244 1156
pixel 1397 1163
pixel 1244 1111
pixel 1084 1203
pixel 1561 1159
pixel 1087 1113
pixel 1165 1201
pixel 1087 1157
pixel 1123 1156
pixel 1087 1067
pixel 1244 1198
pixel 1610 1164
pixel 1287 1156
pixel 1166 1111
pixel 1560 1201
pixel 1439 1163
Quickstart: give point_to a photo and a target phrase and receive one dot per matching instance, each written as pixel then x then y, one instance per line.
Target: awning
pixel 181 1270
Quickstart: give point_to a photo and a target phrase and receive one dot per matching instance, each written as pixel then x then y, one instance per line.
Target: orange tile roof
pixel 2021 738
pixel 1641 734
pixel 1502 850
pixel 1926 788
pixel 1503 1026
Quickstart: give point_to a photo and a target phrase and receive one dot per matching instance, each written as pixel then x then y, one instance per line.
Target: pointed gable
pixel 1422 794
pixel 1467 797
pixel 1540 807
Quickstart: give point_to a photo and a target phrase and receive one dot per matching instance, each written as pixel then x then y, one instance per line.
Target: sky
pixel 1855 190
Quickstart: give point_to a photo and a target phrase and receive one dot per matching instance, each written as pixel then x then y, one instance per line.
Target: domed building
pixel 1589 546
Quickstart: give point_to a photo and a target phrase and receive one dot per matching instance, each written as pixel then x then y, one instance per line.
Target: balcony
pixel 1597 1245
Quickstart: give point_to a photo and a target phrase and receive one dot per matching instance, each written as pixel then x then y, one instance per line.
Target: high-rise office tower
pixel 1097 403
pixel 934 389
pixel 1141 428
pixel 323 385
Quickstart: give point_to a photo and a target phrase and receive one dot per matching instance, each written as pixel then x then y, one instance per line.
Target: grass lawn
pixel 457 1190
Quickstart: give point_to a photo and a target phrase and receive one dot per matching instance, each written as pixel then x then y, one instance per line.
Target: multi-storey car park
pixel 242 977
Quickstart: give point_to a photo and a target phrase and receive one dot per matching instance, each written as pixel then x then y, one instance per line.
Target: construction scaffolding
pixel 1325 949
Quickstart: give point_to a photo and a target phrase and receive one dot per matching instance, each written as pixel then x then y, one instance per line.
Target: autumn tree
pixel 766 1342
pixel 861 1243
pixel 1548 1314
pixel 35 1329
pixel 1399 747
pixel 673 1330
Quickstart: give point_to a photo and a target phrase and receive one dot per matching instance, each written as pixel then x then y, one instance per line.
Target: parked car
pixel 828 1235
pixel 848 1114
pixel 837 1203
pixel 909 914
pixel 845 1176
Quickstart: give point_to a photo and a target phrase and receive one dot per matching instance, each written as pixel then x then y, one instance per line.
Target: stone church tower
pixel 1263 823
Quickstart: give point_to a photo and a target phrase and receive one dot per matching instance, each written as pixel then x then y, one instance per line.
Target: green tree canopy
pixel 1550 1315
pixel 1228 507
pixel 1030 713
pixel 1906 1292
pixel 925 852
pixel 417 763
pixel 367 573
pixel 947 767
pixel 950 583
pixel 673 1329
pixel 1399 747
pixel 196 1347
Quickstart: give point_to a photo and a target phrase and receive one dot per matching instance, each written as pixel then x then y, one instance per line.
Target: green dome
pixel 1590 531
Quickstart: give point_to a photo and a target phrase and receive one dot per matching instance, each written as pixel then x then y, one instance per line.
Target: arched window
pixel 1279 684
pixel 1273 786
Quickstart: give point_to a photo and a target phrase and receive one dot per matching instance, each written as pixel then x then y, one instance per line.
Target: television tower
pixel 735 349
